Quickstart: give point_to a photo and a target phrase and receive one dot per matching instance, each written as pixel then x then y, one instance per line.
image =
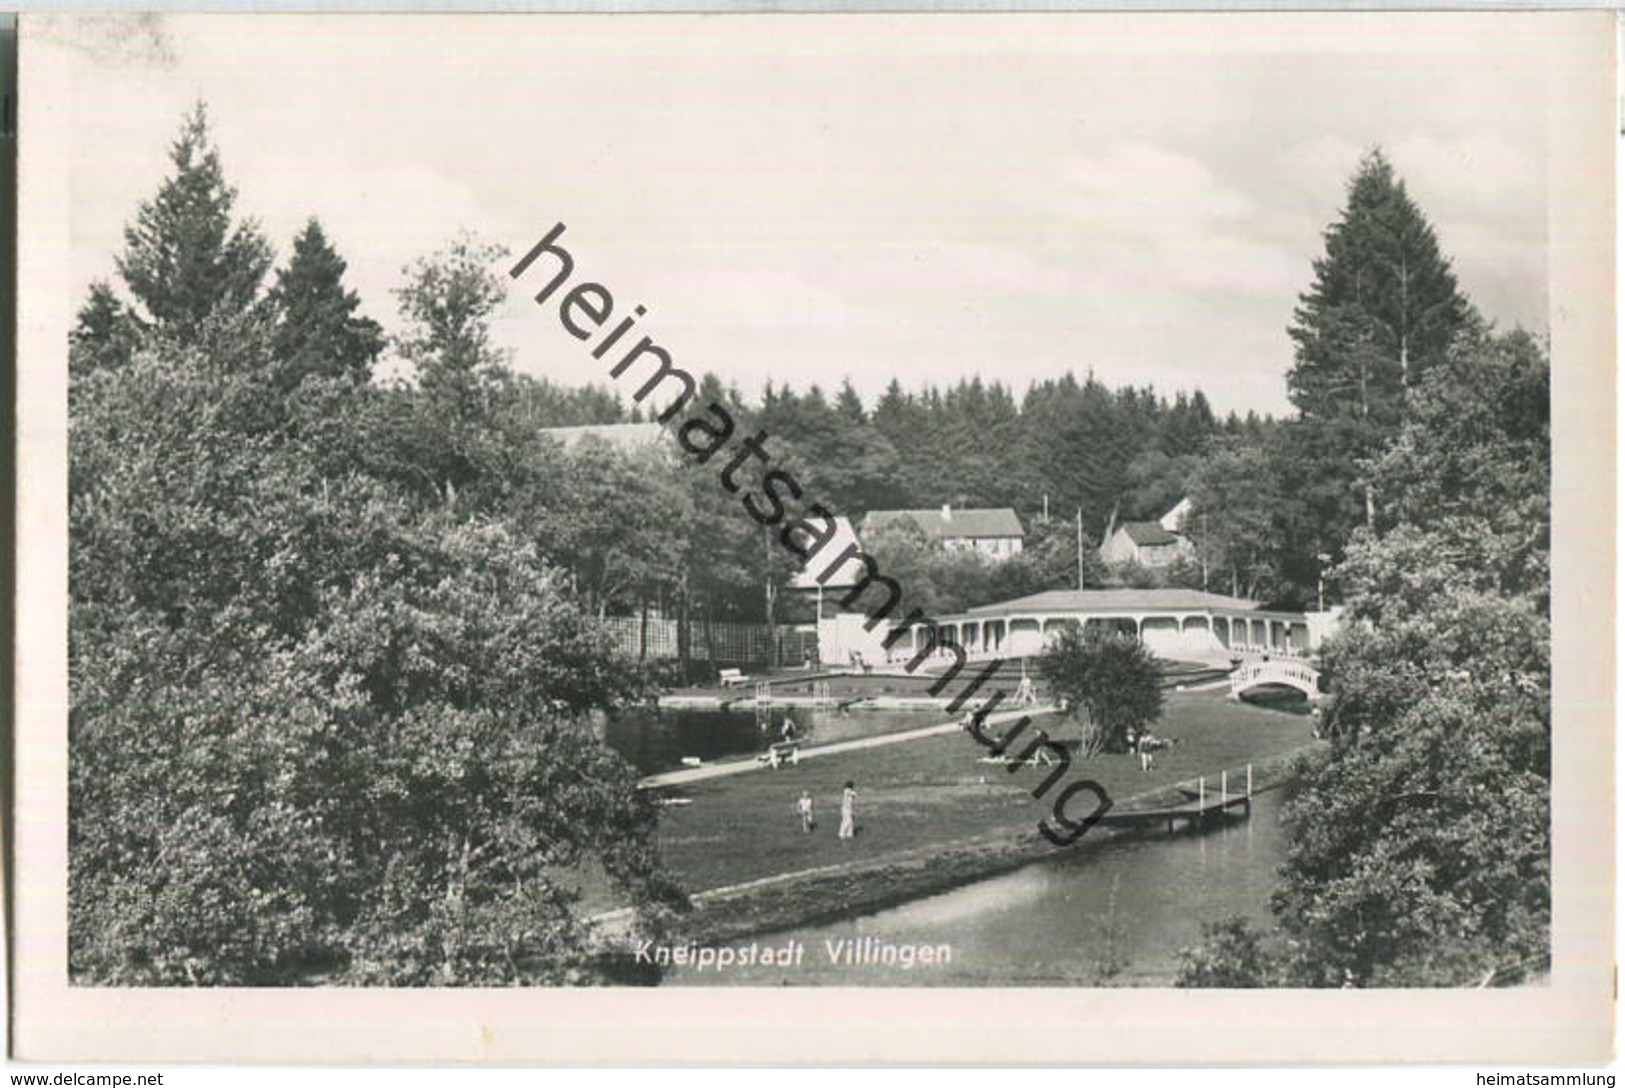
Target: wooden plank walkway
pixel 1193 813
pixel 1198 808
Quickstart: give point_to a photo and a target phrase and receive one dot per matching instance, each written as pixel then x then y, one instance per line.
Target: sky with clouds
pixel 812 199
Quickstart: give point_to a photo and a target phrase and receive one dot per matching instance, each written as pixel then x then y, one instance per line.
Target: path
pixel 740 766
pixel 1211 685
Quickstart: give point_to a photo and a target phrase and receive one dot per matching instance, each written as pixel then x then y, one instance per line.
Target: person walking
pixel 805 808
pixel 849 796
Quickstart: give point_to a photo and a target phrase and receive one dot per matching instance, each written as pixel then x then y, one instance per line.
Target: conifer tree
pixel 1383 309
pixel 1383 312
pixel 318 331
pixel 183 257
pixel 104 334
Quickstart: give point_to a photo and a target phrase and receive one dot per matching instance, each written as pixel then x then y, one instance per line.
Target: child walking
pixel 805 808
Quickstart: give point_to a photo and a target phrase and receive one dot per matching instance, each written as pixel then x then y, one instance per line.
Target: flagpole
pixel 1080 548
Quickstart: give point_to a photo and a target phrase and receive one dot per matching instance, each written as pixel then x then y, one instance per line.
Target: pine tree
pixel 104 334
pixel 318 331
pixel 1384 307
pixel 849 406
pixel 1383 311
pixel 183 258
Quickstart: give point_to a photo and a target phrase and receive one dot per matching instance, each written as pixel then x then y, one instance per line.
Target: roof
pixel 623 436
pixel 950 523
pixel 1117 600
pixel 1148 534
pixel 1174 520
pixel 843 577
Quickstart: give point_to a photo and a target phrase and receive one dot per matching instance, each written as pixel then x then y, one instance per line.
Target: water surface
pixel 1117 915
pixel 658 740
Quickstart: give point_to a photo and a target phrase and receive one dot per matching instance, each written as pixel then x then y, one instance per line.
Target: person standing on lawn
pixel 805 808
pixel 849 797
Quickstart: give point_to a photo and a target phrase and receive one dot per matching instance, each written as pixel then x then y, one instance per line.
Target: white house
pixel 996 532
pixel 1174 520
pixel 622 436
pixel 1151 543
pixel 841 579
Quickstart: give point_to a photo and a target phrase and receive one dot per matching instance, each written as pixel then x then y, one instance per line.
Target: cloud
pixel 1141 189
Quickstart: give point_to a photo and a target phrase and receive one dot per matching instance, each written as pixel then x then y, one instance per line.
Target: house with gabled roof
pixel 816 576
pixel 1150 543
pixel 994 532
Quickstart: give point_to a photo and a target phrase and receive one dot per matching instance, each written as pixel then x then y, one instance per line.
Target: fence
pixel 728 643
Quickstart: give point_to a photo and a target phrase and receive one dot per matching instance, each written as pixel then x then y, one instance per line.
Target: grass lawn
pixel 920 792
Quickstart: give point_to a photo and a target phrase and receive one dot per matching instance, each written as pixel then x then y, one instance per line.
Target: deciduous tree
pixel 447 302
pixel 1111 681
pixel 1419 847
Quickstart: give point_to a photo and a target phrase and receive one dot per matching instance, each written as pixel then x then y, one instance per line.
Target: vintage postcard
pixel 585 538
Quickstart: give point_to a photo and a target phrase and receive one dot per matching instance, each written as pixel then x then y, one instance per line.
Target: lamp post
pixel 1320 581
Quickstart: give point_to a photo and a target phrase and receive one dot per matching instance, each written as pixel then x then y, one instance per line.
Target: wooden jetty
pixel 1196 811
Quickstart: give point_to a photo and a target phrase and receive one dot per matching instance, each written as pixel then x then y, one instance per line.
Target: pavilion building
pixel 1180 624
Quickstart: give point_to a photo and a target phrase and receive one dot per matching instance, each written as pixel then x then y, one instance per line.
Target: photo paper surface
pixel 585 538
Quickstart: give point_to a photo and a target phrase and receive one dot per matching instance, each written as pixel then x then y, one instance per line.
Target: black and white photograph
pixel 782 504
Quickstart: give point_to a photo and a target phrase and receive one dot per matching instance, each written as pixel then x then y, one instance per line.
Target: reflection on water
pixel 659 740
pixel 1117 915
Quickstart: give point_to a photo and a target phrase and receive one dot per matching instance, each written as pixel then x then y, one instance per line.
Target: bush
pixel 1231 956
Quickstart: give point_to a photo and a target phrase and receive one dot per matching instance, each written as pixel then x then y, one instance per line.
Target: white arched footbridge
pixel 1292 674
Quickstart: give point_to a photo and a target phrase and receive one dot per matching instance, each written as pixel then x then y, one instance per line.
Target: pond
pixel 659 740
pixel 1117 915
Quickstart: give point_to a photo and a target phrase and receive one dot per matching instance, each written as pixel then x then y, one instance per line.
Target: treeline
pixel 1065 446
pixel 1069 451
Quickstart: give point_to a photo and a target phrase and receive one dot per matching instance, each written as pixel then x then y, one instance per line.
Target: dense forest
pixel 334 639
